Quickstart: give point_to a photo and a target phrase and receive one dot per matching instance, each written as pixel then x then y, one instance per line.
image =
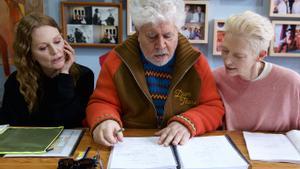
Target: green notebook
pixel 28 139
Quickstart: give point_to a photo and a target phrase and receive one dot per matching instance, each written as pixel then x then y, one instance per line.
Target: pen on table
pixel 86 152
pixel 98 159
pixel 83 154
pixel 119 131
pixel 49 149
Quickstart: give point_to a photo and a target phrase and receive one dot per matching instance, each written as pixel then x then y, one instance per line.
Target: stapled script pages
pixel 274 147
pixel 200 152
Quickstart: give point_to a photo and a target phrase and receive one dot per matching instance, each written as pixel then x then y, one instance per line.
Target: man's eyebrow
pixel 150 33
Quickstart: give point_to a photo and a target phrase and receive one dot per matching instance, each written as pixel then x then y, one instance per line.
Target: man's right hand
pixel 106 133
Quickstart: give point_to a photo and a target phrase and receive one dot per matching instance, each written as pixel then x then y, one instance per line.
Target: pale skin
pixel 51 51
pixel 240 59
pixel 158 43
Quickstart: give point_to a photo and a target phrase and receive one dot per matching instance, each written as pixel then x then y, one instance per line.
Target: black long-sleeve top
pixel 60 103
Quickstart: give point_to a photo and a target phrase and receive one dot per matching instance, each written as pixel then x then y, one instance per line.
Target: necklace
pixel 260 68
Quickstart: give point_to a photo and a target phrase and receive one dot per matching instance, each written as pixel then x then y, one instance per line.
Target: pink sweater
pixel 268 104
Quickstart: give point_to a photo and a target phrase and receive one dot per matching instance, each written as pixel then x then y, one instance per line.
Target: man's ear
pixel 262 54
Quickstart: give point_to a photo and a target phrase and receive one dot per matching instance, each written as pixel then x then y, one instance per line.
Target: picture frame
pixel 284 8
pixel 130 25
pixel 92 24
pixel 286 41
pixel 219 34
pixel 196 22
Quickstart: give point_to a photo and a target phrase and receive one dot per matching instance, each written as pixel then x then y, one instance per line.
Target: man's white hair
pixel 154 11
pixel 256 29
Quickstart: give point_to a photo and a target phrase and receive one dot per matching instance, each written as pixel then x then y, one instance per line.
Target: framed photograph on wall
pixel 286 41
pixel 196 22
pixel 130 25
pixel 218 36
pixel 285 8
pixel 92 24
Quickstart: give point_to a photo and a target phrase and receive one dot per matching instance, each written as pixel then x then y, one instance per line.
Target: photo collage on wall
pixel 92 24
pixel 286 40
pixel 196 24
pixel 218 36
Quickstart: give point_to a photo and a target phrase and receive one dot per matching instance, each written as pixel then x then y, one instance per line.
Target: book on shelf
pixel 64 146
pixel 200 152
pixel 14 140
pixel 274 147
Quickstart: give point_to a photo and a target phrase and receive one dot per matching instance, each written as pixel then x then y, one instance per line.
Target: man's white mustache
pixel 161 52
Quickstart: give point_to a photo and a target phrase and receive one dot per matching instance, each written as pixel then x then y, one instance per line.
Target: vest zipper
pixel 188 68
pixel 149 99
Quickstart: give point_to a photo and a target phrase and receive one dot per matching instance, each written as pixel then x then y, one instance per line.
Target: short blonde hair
pixel 256 29
pixel 153 11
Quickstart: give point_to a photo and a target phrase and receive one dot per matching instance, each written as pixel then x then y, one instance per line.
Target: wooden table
pixel 51 163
